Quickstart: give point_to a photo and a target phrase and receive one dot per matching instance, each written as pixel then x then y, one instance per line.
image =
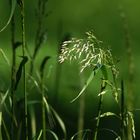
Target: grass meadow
pixel 69 70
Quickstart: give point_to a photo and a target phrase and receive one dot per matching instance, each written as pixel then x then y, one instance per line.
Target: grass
pixel 35 106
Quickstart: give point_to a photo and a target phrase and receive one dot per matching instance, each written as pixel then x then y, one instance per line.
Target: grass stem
pixel 13 73
pixel 122 111
pixel 103 85
pixel 24 69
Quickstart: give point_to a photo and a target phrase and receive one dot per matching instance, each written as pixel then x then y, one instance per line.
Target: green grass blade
pixel 113 132
pixel 61 123
pixel 7 135
pixel 46 105
pixel 33 121
pixel 53 134
pixel 5 57
pixel 4 98
pixel 82 131
pixel 85 86
pixel 13 5
pixel 39 136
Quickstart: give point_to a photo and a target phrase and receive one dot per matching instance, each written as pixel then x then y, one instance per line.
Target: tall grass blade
pixel 19 131
pixel 5 57
pixel 4 98
pixel 48 109
pixel 113 132
pixel 81 131
pixel 46 105
pixel 53 134
pixel 85 86
pixel 39 136
pixel 7 135
pixel 33 121
pixel 61 123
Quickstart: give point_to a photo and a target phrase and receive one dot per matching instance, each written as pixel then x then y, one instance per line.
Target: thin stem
pixel 24 69
pixel 122 111
pixel 43 104
pixel 43 110
pixel 13 79
pixel 103 85
pixel 43 96
pixel 13 73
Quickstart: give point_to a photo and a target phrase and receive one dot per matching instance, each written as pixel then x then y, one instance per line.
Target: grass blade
pixel 40 134
pixel 85 86
pixel 53 134
pixel 61 123
pixel 5 57
pixel 4 98
pixel 6 130
pixel 82 131
pixel 33 121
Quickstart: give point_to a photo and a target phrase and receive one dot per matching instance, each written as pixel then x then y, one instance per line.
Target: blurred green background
pixel 75 18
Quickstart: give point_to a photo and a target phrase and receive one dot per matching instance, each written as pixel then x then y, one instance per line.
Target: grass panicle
pixel 90 54
pixel 20 108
